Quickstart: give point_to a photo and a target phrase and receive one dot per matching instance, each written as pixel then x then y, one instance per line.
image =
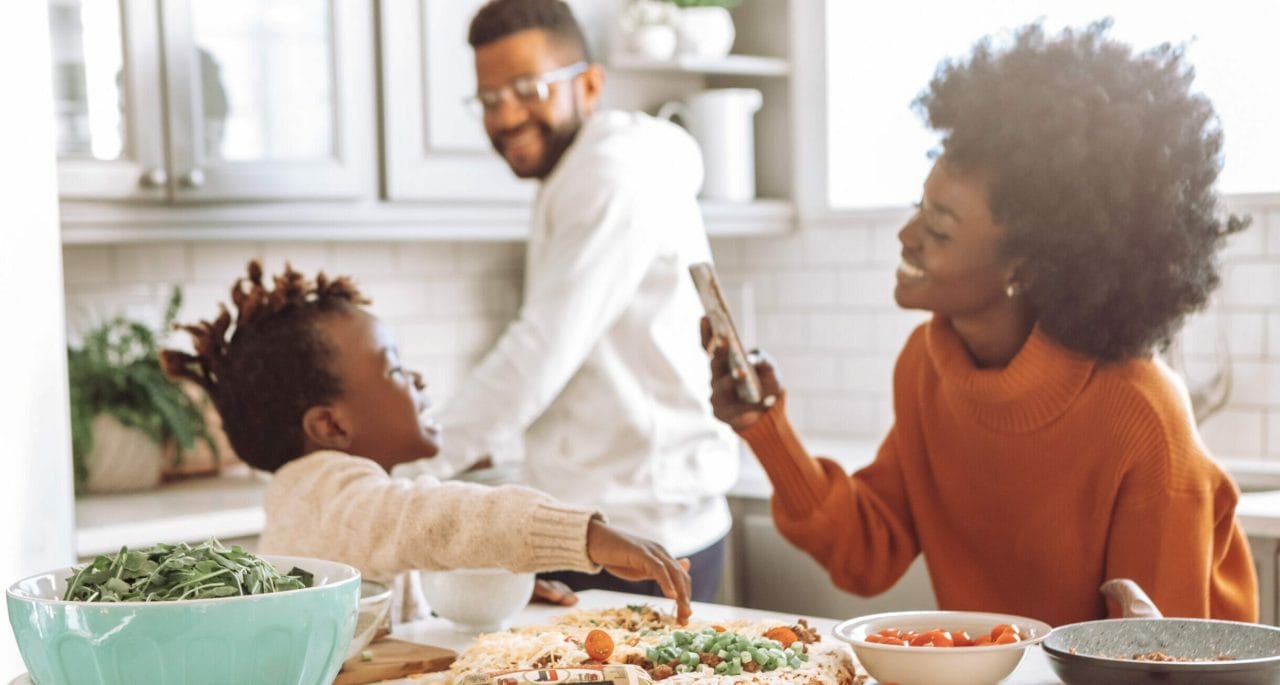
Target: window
pixel 881 55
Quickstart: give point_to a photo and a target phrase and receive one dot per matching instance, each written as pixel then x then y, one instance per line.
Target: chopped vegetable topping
pixel 599 645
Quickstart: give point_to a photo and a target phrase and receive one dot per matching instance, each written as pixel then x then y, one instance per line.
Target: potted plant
pixel 123 408
pixel 705 27
pixel 649 28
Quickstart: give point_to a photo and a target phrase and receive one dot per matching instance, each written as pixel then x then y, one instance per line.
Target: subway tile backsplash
pixel 819 300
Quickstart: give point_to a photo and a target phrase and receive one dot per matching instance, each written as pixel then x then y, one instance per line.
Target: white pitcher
pixel 721 120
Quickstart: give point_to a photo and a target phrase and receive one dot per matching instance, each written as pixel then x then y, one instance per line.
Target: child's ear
pixel 326 428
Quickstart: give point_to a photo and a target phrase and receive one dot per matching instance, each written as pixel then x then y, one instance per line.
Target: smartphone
pixel 704 279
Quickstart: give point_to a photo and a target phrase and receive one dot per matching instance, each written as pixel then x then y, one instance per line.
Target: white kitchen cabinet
pixel 200 120
pixel 436 150
pixel 767 572
pixel 197 101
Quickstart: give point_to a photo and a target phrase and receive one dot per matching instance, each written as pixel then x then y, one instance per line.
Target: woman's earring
pixel 1011 290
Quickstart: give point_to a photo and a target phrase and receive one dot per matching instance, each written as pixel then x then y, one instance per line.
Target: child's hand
pixel 632 558
pixel 553 592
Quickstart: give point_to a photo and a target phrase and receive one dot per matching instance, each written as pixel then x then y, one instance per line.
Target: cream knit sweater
pixel 344 508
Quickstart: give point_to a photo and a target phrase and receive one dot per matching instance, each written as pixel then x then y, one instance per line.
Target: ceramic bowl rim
pixel 345 572
pixel 844 628
pixel 1132 664
pixel 482 571
pixel 382 594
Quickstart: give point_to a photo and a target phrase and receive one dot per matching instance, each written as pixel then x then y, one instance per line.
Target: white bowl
pixel 374 616
pixel 906 665
pixel 478 599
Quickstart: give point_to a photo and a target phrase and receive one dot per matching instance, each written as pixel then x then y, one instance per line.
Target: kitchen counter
pixel 230 505
pixel 1034 669
pixel 226 506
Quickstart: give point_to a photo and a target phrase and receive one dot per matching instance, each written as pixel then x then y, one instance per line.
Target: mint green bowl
pixel 298 637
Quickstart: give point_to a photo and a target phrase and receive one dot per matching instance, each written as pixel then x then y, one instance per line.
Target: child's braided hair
pixel 274 364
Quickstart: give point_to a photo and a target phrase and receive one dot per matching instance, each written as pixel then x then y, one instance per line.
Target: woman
pixel 1065 231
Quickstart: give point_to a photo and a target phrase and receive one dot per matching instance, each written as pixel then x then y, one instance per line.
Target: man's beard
pixel 555 142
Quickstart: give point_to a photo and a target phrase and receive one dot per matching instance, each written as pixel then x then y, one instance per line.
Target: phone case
pixel 704 279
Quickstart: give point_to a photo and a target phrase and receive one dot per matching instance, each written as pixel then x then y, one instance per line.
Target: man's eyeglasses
pixel 526 89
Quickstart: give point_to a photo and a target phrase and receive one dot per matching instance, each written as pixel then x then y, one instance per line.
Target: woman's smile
pixel 908 272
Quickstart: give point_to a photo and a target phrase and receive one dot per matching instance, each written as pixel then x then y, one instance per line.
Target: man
pixel 597 376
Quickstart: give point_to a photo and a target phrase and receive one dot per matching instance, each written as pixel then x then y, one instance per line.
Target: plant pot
pixel 123 459
pixel 200 460
pixel 705 31
pixel 655 41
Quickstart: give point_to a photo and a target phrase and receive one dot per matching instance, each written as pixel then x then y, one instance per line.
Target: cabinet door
pixel 106 83
pixel 270 100
pixel 435 148
pixel 769 573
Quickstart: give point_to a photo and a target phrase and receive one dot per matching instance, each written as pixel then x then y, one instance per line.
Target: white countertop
pixel 1259 513
pixel 1034 669
pixel 226 506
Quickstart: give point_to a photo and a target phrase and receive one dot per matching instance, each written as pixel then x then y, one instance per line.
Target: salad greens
pixel 174 572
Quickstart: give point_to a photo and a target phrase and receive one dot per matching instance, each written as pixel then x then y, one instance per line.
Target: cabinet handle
pixel 192 179
pixel 155 178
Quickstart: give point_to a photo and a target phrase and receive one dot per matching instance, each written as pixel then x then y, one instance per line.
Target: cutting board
pixel 394 659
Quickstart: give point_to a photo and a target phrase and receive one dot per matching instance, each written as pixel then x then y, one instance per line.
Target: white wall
pixel 820 301
pixel 35 492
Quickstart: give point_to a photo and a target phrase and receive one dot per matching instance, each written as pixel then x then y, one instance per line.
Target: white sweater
pixel 601 375
pixel 336 506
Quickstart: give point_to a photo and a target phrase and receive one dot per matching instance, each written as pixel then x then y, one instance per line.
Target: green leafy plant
pixel 706 3
pixel 174 572
pixel 116 370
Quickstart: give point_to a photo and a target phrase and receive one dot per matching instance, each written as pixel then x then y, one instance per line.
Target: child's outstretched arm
pixel 633 558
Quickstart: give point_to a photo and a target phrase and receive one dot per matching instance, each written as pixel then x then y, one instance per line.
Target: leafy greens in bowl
pixel 176 572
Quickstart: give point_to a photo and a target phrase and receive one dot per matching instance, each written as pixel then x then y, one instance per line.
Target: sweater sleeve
pixel 336 506
pixel 858 527
pixel 1182 544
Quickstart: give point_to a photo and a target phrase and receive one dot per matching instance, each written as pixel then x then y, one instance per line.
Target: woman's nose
pixel 907 235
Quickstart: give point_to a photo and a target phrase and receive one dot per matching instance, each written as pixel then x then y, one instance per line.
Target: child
pixel 310 387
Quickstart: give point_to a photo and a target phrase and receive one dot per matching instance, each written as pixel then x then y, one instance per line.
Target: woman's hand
pixel 633 558
pixel 726 404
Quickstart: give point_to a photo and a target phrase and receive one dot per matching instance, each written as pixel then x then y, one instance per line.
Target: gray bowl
pixel 1100 652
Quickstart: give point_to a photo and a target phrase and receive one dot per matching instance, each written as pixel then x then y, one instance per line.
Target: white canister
pixel 722 121
pixel 705 31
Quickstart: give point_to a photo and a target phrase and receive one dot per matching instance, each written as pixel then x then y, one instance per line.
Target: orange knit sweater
pixel 1024 487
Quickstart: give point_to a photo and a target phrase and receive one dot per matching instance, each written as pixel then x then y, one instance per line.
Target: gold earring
pixel 1011 290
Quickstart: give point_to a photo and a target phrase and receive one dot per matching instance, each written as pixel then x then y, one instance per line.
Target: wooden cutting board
pixel 394 659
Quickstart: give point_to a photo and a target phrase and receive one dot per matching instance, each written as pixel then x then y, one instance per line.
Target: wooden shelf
pixel 730 65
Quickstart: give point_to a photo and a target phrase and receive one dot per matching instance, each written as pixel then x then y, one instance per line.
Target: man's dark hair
pixel 501 18
pixel 273 367
pixel 1101 165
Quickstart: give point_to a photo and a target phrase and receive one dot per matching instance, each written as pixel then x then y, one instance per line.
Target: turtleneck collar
pixel 1032 391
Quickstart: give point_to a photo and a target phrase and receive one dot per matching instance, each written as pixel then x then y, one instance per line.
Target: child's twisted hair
pixel 267 370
